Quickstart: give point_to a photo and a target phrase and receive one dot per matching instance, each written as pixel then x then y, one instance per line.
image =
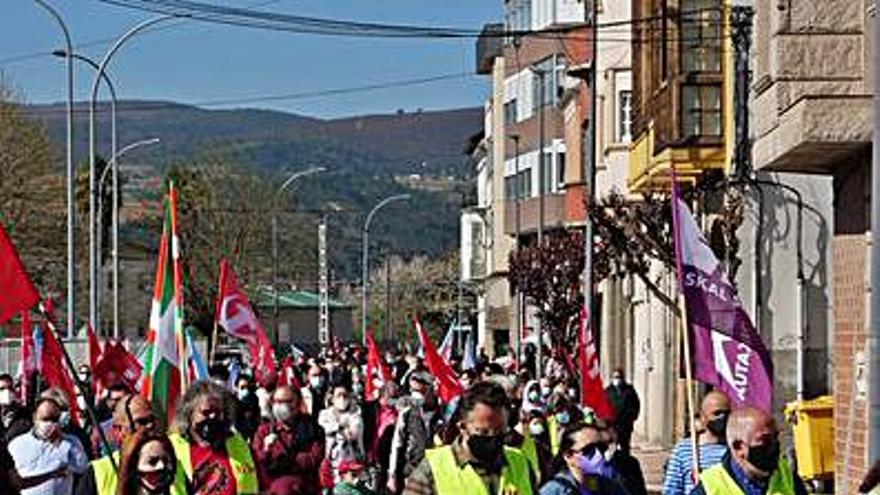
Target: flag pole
pixel 87 391
pixel 216 312
pixel 685 327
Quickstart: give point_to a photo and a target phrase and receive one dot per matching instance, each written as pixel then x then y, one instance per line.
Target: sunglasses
pixel 591 448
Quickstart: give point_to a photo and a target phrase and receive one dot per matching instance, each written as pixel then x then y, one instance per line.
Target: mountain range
pixel 367 158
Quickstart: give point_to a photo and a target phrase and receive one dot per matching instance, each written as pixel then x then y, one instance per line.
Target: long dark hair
pixel 566 443
pixel 131 454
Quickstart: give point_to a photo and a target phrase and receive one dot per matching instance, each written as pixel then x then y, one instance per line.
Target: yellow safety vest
pixel 553 431
pixel 450 479
pixel 243 467
pixel 717 481
pixel 530 451
pixel 107 479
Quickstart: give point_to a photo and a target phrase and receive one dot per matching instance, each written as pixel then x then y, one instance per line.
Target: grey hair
pixel 57 395
pixel 741 422
pixel 197 391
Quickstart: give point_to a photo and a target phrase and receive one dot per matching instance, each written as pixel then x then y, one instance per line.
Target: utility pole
pixel 590 175
pixel 388 325
pixel 323 286
pixel 874 331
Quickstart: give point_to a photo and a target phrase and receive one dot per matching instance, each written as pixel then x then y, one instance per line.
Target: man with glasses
pixel 714 411
pixel 477 461
pixel 132 414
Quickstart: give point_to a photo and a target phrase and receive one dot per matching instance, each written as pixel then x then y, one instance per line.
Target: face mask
pixel 316 381
pixel 211 430
pixel 764 457
pixel 47 430
pixel 243 393
pixel 156 481
pixel 487 449
pixel 718 426
pixel 64 419
pixel 5 397
pixel 81 402
pixel 536 428
pixel 340 403
pixel 572 393
pixel 616 382
pixel 418 399
pixel 534 396
pixel 594 465
pixel 282 412
pixel 563 417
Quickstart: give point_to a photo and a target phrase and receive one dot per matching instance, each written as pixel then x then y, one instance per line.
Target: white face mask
pixel 609 452
pixel 536 428
pixel 46 430
pixel 418 399
pixel 616 381
pixel 282 412
pixel 5 397
pixel 340 403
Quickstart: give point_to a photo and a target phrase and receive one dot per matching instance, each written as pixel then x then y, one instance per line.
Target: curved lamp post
pixel 102 66
pixel 114 165
pixel 366 256
pixel 71 172
pixel 290 180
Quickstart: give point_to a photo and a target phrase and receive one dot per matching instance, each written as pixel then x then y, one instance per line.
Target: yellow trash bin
pixel 813 430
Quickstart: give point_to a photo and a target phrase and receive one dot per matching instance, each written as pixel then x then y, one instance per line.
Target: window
pixel 701 110
pixel 510 116
pixel 526 183
pixel 518 16
pixel 548 78
pixel 560 169
pixel 701 36
pixel 624 116
pixel 546 170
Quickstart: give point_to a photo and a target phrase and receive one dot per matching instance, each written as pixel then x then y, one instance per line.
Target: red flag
pixel 592 392
pixel 449 386
pixel 375 364
pixel 235 315
pixel 53 366
pixel 117 365
pixel 18 292
pixel 94 353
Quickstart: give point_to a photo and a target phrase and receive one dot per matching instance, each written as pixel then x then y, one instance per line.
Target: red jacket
pixel 290 464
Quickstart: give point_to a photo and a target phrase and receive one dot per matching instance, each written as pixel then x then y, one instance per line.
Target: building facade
pixel 813 115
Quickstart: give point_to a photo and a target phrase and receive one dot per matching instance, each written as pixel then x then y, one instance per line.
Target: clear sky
pixel 198 62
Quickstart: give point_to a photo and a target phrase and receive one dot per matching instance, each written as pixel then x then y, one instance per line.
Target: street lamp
pixel 114 165
pixel 102 66
pixel 366 256
pixel 290 180
pixel 71 172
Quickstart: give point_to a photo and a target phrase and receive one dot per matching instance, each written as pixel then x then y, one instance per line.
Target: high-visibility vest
pixel 107 479
pixel 717 481
pixel 243 467
pixel 450 479
pixel 553 431
pixel 530 451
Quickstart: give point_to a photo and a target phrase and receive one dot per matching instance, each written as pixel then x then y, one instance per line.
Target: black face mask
pixel 487 449
pixel 764 457
pixel 211 430
pixel 718 426
pixel 156 481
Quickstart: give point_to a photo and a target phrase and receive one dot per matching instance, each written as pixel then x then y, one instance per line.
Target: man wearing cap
pixel 415 430
pixel 351 481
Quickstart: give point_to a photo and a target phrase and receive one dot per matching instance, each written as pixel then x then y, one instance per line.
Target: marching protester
pixel 47 452
pixel 477 461
pixel 289 449
pixel 149 466
pixel 247 407
pixel 343 429
pixel 116 393
pixel 69 426
pixel 132 415
pixel 15 417
pixel 416 428
pixel 754 464
pixel 214 457
pixel 714 414
pixel 580 466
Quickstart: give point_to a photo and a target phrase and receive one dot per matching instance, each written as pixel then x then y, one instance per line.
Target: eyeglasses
pixel 145 421
pixel 590 449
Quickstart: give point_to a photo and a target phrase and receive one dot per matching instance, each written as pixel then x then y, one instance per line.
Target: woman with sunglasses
pixel 580 467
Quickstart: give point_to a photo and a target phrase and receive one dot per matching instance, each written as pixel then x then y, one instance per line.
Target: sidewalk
pixel 653 460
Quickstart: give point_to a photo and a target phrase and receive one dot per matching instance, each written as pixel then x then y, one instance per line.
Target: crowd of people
pixel 322 429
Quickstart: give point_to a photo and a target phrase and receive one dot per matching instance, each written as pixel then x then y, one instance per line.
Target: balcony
pixel 650 171
pixel 489 45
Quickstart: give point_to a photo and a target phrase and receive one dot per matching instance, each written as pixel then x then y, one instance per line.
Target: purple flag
pixel 728 352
